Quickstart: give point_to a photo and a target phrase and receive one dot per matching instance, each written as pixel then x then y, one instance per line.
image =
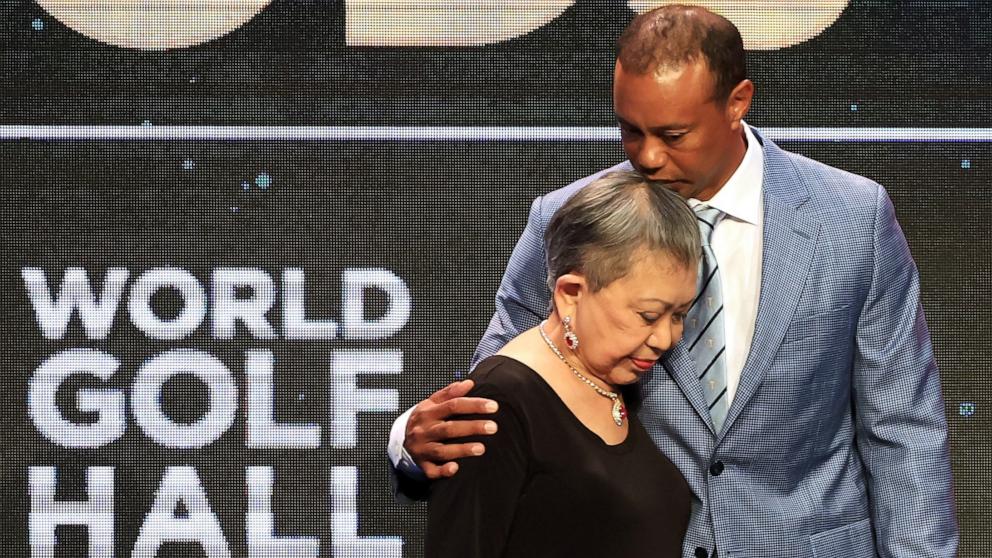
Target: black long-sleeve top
pixel 548 486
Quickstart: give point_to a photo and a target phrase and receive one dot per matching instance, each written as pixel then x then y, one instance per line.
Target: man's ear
pixel 569 289
pixel 739 103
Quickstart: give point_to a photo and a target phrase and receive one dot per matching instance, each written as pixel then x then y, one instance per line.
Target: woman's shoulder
pixel 503 375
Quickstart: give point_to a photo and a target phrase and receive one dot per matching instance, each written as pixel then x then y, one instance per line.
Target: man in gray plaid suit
pixel 832 441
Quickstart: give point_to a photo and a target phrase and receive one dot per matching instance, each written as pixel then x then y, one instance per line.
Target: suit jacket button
pixel 716 468
pixel 701 552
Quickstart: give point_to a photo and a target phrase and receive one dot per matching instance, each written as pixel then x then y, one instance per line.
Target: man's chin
pixel 680 187
pixel 669 182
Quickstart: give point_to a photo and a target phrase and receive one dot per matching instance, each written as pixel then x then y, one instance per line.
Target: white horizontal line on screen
pixel 454 133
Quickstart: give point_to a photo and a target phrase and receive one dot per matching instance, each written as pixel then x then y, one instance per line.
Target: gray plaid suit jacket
pixel 835 445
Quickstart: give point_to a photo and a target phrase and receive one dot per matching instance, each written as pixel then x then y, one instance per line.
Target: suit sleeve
pixel 899 409
pixel 523 297
pixel 471 513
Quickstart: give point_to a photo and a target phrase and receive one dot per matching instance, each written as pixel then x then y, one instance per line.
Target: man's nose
pixel 653 157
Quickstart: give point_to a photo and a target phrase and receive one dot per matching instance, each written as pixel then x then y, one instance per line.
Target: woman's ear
pixel 569 289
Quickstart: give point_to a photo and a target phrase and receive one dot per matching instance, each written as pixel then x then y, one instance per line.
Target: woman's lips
pixel 643 364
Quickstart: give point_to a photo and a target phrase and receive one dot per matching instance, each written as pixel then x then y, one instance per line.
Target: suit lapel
pixel 789 239
pixel 682 369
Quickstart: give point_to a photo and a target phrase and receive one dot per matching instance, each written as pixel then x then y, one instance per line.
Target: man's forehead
pixel 696 69
pixel 689 84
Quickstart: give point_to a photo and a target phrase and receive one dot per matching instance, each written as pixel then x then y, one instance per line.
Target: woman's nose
pixel 664 338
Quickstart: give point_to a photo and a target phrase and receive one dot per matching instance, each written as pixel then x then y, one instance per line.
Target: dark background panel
pixel 882 63
pixel 442 216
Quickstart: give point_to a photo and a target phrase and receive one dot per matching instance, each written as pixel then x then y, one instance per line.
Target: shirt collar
pixel 740 197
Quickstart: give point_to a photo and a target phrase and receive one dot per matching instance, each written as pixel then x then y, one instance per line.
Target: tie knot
pixel 708 217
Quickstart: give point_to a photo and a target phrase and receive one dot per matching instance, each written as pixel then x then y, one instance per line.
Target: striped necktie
pixel 704 332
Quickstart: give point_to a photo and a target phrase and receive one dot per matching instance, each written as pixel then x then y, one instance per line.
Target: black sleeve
pixel 471 513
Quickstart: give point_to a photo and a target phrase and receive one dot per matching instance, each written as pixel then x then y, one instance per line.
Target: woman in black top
pixel 570 472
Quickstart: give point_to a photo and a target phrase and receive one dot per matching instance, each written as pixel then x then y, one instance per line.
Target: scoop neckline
pixel 623 446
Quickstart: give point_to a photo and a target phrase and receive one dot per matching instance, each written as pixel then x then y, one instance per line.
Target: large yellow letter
pixel 153 24
pixel 766 24
pixel 445 22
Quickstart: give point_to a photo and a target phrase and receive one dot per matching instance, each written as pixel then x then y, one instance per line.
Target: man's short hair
pixel 668 37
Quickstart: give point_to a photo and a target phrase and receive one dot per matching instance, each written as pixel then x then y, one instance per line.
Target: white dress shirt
pixel 736 244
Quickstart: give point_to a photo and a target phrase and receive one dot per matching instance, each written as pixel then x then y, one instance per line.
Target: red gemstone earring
pixel 571 339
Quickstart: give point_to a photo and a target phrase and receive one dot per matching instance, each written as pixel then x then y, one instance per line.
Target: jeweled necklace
pixel 619 411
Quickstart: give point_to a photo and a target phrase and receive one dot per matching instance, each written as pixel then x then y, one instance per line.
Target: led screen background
pixel 438 215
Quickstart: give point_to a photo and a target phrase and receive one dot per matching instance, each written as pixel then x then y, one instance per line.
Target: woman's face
pixel 626 326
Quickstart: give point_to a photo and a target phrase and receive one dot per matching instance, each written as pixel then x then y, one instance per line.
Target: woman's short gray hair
pixel 597 231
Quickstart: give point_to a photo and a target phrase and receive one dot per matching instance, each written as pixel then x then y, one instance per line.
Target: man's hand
pixel 428 429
